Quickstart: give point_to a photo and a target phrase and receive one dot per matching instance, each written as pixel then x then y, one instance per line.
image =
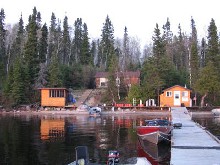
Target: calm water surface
pixel 42 140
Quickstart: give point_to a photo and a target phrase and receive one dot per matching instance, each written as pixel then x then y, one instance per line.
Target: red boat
pixel 155 131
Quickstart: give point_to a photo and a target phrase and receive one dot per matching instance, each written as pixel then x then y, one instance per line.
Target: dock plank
pixel 192 144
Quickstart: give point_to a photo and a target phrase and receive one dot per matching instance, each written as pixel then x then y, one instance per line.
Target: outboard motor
pixel 113 157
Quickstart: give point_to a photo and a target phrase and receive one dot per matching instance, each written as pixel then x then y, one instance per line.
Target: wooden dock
pixel 192 144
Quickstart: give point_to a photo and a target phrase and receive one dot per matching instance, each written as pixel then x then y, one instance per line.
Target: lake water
pixel 51 139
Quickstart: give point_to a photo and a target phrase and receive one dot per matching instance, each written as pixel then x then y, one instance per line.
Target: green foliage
pixel 134 92
pixel 18 86
pixel 208 81
pixel 107 49
pixel 55 76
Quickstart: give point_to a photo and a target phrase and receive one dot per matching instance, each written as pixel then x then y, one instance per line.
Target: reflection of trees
pixel 17 145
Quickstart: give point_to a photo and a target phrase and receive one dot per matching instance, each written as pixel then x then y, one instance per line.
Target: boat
pixel 216 112
pixel 82 156
pixel 155 153
pixel 155 131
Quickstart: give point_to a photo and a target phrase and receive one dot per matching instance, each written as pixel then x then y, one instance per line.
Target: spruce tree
pixel 17 91
pixel 86 58
pixel 77 42
pixel 43 44
pixel 31 60
pixel 2 48
pixel 194 57
pixel 66 43
pixel 17 47
pixel 125 59
pixel 107 43
pixel 55 76
pixel 51 38
pixel 212 54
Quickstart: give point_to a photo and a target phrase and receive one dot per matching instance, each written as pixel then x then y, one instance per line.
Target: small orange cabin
pixel 53 97
pixel 176 96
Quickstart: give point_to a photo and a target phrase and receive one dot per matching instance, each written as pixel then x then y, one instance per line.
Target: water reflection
pixel 41 139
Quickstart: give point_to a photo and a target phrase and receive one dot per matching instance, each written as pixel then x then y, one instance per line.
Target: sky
pixel 139 16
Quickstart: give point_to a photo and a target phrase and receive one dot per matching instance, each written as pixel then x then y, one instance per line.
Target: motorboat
pixel 155 153
pixel 155 131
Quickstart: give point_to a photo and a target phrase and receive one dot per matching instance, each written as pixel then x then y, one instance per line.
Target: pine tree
pixel 208 82
pixel 66 43
pixel 158 45
pixel 86 58
pixel 125 51
pixel 18 92
pixel 212 54
pixel 77 42
pixel 194 57
pixel 2 48
pixel 51 38
pixel 55 76
pixel 31 60
pixel 17 47
pixel 43 45
pixel 107 44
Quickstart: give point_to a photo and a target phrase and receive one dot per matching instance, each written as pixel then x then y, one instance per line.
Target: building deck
pixel 192 144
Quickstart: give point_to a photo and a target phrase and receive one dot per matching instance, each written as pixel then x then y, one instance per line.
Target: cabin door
pixel 176 98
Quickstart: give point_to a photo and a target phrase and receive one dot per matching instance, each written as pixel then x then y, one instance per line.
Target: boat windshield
pixel 157 122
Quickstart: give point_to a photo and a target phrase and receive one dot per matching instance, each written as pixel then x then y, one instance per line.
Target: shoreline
pixel 121 112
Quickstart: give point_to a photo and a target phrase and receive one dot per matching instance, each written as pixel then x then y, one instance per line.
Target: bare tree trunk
pixel 203 100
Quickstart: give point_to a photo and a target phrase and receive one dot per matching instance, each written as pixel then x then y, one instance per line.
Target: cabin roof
pixel 125 74
pixel 176 86
pixel 51 88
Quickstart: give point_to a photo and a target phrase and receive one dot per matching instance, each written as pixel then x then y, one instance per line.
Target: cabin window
pixel 184 94
pixel 168 94
pixel 56 93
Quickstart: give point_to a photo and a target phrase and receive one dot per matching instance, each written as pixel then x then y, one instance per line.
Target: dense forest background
pixel 59 55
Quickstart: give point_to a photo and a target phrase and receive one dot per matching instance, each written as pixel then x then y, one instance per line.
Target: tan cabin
pixel 54 97
pixel 176 96
pixel 129 78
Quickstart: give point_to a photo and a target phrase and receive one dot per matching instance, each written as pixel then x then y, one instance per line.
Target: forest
pixel 38 55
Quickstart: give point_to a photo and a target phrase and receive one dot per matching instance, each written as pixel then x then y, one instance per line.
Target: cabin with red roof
pixel 130 78
pixel 176 96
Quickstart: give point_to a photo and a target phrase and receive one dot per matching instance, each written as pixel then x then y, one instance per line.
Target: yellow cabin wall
pixel 169 101
pixel 46 100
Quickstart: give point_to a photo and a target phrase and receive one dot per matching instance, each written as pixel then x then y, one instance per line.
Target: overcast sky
pixel 139 16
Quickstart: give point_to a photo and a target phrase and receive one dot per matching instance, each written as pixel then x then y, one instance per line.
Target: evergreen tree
pixel 208 82
pixel 158 45
pixel 55 76
pixel 107 44
pixel 16 50
pixel 86 58
pixel 31 59
pixel 212 54
pixel 43 44
pixel 77 41
pixel 52 38
pixel 18 93
pixel 66 43
pixel 2 47
pixel 125 51
pixel 203 53
pixel 168 38
pixel 194 58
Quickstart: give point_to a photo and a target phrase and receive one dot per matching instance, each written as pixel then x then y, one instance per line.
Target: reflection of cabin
pixel 129 78
pixel 52 129
pixel 175 96
pixel 54 97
